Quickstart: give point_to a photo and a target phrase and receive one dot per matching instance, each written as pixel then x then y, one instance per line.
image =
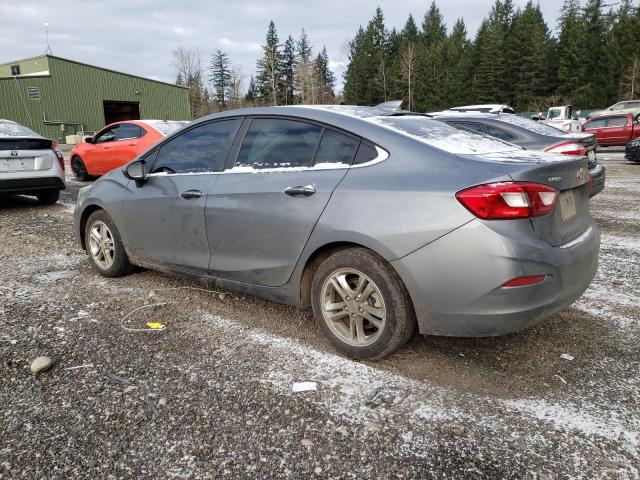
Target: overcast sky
pixel 138 36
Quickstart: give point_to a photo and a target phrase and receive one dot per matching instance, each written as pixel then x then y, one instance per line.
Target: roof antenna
pixel 46 36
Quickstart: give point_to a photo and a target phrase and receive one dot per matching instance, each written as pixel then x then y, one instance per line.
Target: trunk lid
pixel 570 216
pixel 25 154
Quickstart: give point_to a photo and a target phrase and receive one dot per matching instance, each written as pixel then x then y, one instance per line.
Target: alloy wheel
pixel 353 307
pixel 101 245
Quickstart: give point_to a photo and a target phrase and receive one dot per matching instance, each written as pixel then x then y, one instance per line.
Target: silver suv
pixel 29 163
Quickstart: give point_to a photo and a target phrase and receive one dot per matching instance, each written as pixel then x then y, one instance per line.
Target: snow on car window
pixel 536 127
pixel 166 128
pixel 13 129
pixel 444 137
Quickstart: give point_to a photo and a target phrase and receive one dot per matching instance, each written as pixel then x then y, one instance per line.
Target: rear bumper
pixel 598 175
pixel 456 282
pixel 28 185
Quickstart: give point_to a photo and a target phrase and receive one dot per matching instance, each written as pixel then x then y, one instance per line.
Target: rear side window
pixel 128 131
pixel 278 143
pixel 201 149
pixel 474 127
pixel 366 152
pixel 336 148
pixel 617 122
pixel 498 133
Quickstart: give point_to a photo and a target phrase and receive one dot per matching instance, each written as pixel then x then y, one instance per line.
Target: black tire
pixel 121 265
pixel 400 317
pixel 79 169
pixel 48 197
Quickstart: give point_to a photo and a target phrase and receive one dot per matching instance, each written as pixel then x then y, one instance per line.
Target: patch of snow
pixel 13 130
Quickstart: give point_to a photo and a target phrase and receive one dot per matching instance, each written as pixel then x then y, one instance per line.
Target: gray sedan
pixel 378 221
pixel 534 135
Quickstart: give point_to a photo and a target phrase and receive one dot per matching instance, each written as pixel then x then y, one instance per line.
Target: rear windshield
pixel 536 127
pixel 165 128
pixel 443 136
pixel 13 129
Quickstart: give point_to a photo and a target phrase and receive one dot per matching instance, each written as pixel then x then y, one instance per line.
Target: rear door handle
pixel 189 194
pixel 300 191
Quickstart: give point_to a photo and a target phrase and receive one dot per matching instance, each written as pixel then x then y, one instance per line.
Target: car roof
pixel 11 129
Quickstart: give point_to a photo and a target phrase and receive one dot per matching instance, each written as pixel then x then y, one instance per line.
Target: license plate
pixel 592 155
pixel 567 205
pixel 15 164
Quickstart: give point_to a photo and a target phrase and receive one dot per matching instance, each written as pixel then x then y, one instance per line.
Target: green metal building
pixel 58 97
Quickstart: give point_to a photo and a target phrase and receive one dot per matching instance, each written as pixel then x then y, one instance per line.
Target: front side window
pixel 198 150
pixel 278 143
pixel 618 106
pixel 617 122
pixel 597 123
pixel 498 133
pixel 128 131
pixel 336 148
pixel 108 135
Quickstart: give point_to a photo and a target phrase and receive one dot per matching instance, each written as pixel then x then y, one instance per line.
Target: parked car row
pixel 380 221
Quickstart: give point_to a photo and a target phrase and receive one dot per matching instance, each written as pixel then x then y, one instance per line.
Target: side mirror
pixel 88 140
pixel 136 171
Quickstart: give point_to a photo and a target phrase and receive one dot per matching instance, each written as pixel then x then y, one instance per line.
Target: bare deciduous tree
pixel 188 65
pixel 630 83
pixel 407 71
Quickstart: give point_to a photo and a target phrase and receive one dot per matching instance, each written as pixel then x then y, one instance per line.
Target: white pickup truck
pixel 565 118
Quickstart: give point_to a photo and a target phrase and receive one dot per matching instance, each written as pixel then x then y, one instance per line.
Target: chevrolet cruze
pixel 381 222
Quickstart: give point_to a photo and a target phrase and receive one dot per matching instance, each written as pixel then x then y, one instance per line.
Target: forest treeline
pixel 592 60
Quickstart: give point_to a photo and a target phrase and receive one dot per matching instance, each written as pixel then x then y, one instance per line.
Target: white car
pixel 29 163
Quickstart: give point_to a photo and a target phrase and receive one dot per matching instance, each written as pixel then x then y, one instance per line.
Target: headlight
pixel 82 193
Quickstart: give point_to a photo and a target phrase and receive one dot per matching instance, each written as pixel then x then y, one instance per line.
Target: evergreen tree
pixel 622 49
pixel 269 78
pixel 355 76
pixel 530 70
pixel 593 92
pixel 305 80
pixel 324 77
pixel 252 92
pixel 570 49
pixel 459 65
pixel 288 69
pixel 432 62
pixel 220 75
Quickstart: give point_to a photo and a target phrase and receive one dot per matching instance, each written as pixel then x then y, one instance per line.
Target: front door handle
pixel 189 194
pixel 300 191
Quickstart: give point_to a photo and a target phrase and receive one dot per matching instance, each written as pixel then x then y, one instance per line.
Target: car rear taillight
pixel 524 281
pixel 568 148
pixel 57 153
pixel 508 200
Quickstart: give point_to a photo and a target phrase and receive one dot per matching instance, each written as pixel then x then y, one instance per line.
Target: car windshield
pixel 554 113
pixel 443 136
pixel 13 129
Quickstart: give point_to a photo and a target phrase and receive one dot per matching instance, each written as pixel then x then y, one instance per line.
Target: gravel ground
pixel 211 395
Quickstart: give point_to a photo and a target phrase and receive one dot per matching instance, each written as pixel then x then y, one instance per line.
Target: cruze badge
pixel 14 153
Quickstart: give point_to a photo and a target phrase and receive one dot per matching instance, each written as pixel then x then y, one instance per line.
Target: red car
pixel 613 130
pixel 117 144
